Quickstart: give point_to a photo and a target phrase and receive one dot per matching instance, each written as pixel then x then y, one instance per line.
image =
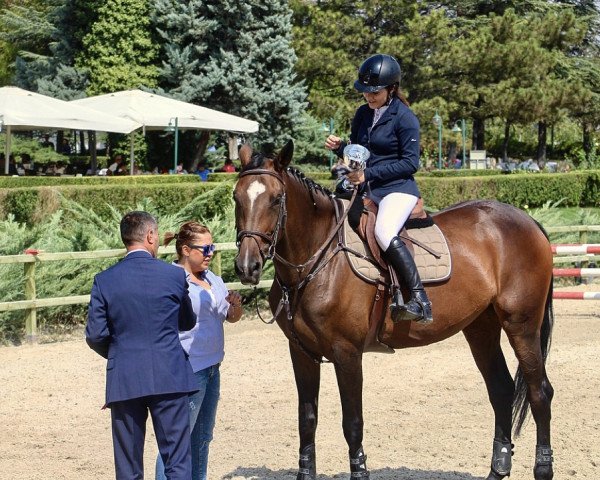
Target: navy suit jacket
pixel 394 146
pixel 137 308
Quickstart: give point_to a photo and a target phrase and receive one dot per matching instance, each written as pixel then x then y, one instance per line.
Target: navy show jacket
pixel 394 146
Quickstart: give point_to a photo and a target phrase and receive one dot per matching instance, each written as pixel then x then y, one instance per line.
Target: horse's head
pixel 260 209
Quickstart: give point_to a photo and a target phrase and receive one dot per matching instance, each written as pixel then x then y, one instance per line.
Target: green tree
pixel 8 54
pixel 73 20
pixel 235 57
pixel 118 52
pixel 27 32
pixel 515 60
pixel 48 37
pixel 333 38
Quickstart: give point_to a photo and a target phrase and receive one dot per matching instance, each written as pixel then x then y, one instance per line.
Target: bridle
pixel 317 265
pixel 271 238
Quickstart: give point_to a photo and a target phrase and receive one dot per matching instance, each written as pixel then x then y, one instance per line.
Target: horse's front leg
pixel 308 375
pixel 350 381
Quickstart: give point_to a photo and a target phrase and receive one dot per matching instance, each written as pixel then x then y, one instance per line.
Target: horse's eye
pixel 277 200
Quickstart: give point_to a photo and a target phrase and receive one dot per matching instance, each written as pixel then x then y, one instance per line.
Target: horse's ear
pixel 245 154
pixel 285 155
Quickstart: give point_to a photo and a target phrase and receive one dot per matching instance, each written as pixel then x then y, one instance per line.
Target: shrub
pixel 75 227
pixel 574 189
pixel 20 182
pixel 33 205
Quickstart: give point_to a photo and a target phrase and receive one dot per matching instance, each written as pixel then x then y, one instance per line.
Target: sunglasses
pixel 205 249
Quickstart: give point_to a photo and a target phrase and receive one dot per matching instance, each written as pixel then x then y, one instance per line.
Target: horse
pixel 501 281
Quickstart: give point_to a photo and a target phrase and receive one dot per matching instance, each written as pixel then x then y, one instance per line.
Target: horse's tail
pixel 520 401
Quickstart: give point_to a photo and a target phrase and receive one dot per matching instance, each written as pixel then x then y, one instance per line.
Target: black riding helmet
pixel 377 72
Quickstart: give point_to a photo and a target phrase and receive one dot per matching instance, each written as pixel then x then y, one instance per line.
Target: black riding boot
pixel 418 307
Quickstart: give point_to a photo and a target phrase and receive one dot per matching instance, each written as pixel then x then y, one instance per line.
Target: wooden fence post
pixel 31 313
pixel 216 263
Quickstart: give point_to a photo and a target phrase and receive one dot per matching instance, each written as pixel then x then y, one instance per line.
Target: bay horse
pixel 501 281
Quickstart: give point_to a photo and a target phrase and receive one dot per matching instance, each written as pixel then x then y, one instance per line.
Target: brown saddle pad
pixel 432 268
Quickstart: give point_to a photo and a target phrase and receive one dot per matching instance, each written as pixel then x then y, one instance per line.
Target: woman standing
pixel 204 344
pixel 387 127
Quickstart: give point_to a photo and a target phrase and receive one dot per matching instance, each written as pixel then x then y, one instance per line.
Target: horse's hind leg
pixel 528 326
pixel 483 336
pixel 349 376
pixel 308 375
pixel 539 392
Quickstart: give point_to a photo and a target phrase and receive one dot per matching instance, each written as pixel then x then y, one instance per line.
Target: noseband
pixel 271 238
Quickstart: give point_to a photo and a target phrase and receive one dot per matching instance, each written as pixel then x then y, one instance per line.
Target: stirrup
pixel 415 310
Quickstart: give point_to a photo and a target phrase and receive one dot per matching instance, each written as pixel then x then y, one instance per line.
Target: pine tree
pixel 28 33
pixel 327 68
pixel 235 57
pixel 73 20
pixel 118 52
pixel 48 37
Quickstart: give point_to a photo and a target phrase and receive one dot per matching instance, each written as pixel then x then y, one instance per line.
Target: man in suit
pixel 136 309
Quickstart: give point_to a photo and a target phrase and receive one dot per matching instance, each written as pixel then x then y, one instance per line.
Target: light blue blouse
pixel 205 343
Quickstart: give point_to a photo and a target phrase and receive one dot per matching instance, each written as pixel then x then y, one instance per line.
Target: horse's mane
pixel 257 160
pixel 309 183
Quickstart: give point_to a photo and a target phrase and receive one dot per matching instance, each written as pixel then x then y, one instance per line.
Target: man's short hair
pixel 135 225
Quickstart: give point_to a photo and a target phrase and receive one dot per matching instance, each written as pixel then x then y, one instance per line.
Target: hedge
pixel 228 177
pixel 579 188
pixel 31 205
pixel 460 173
pixel 21 182
pixel 171 192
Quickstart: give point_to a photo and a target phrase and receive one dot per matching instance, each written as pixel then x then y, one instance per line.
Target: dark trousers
pixel 171 419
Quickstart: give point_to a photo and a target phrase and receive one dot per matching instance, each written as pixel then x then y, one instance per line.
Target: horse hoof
pixel 302 476
pixel 358 466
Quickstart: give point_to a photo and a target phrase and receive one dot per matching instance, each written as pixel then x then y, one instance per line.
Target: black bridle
pixel 318 260
pixel 271 238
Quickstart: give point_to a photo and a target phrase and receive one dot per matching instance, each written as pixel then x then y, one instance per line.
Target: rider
pixel 389 129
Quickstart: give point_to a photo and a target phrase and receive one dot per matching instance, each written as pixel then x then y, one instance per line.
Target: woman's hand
pixel 356 177
pixel 333 142
pixel 235 311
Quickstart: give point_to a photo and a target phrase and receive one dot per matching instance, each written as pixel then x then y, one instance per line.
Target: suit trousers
pixel 171 419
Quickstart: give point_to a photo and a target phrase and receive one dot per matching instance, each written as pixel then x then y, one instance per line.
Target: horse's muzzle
pixel 248 269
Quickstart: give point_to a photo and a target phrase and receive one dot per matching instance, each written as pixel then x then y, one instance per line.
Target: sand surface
pixel 427 415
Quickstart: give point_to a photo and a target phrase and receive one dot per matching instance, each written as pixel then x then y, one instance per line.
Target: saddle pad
pixel 430 268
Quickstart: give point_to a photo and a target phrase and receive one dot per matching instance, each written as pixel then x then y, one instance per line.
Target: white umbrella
pixel 156 112
pixel 24 110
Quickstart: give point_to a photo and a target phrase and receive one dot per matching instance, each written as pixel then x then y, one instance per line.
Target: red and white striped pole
pixel 576 295
pixel 576 272
pixel 575 249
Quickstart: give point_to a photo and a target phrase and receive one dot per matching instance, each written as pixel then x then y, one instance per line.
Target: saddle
pixel 423 238
pixel 421 235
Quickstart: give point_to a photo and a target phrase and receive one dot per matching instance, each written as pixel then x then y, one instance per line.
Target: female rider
pixel 387 127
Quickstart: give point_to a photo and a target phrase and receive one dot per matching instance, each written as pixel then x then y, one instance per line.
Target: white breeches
pixel 394 210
